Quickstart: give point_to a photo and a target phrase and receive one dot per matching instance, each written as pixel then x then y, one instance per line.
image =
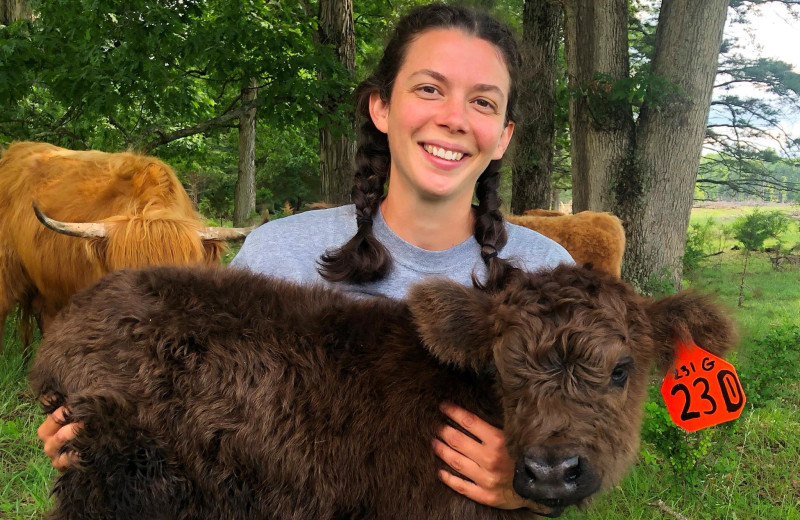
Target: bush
pixel 683 451
pixel 698 244
pixel 753 229
pixel 772 364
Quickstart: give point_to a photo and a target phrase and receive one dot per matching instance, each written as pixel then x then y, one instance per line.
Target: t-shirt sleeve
pixel 290 247
pixel 532 251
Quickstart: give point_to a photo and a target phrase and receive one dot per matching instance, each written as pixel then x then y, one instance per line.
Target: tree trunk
pixel 533 154
pixel 13 10
pixel 670 139
pixel 337 150
pixel 601 132
pixel 244 197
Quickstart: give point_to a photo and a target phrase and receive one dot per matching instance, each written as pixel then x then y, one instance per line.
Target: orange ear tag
pixel 701 389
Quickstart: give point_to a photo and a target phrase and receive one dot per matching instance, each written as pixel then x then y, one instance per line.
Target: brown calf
pixel 224 394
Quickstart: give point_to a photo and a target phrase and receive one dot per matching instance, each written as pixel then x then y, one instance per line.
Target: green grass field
pixel 745 469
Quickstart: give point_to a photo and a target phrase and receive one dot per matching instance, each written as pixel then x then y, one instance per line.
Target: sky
pixel 771 32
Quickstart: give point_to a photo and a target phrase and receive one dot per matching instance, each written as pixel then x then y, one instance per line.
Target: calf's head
pixel 572 350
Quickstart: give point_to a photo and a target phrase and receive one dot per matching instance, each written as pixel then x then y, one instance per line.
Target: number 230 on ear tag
pixel 701 389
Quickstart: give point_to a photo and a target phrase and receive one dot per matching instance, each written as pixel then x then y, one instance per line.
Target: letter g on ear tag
pixel 701 389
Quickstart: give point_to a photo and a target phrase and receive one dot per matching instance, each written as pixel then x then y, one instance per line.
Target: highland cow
pixel 126 210
pixel 223 394
pixel 589 236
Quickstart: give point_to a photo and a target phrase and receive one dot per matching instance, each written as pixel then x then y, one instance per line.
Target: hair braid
pixel 490 230
pixel 363 258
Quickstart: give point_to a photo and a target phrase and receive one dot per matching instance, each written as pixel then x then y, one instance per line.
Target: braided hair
pixel 363 258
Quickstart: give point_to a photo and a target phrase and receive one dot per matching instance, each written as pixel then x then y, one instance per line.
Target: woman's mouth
pixel 443 153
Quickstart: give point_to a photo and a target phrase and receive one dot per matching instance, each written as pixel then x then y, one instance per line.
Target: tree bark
pixel 13 10
pixel 533 153
pixel 244 196
pixel 644 172
pixel 337 150
pixel 669 140
pixel 601 133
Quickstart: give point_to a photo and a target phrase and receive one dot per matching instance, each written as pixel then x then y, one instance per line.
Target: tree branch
pixel 222 120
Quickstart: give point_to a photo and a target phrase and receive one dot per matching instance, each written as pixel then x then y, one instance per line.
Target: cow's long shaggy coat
pixel 148 216
pixel 222 394
pixel 589 236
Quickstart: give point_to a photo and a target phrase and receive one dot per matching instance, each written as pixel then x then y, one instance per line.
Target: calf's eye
pixel 620 373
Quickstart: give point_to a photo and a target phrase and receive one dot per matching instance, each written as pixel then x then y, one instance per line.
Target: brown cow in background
pixel 590 237
pixel 131 210
pixel 227 395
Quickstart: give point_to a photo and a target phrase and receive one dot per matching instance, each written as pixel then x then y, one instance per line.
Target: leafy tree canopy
pixel 145 68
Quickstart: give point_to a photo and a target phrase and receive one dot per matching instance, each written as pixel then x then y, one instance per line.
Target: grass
pixel 25 471
pixel 745 469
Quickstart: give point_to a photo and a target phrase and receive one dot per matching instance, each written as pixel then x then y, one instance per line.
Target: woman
pixel 438 116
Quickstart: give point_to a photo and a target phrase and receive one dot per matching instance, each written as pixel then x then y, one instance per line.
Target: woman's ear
pixel 505 138
pixel 379 112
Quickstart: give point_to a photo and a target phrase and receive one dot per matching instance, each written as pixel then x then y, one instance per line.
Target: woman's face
pixel 446 117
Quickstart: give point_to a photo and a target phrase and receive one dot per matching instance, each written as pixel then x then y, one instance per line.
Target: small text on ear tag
pixel 701 389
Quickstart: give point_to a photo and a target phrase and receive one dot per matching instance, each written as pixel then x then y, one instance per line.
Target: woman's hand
pixel 486 463
pixel 54 433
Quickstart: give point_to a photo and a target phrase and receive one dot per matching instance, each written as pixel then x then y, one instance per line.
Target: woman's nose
pixel 453 116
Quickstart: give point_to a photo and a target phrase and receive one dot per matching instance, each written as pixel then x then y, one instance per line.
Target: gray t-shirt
pixel 290 248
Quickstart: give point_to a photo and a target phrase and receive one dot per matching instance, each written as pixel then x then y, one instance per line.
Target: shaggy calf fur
pixel 223 394
pixel 589 236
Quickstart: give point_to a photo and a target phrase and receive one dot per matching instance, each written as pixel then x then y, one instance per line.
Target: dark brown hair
pixel 364 258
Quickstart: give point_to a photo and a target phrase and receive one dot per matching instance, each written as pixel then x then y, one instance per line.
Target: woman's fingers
pixel 54 435
pixel 486 467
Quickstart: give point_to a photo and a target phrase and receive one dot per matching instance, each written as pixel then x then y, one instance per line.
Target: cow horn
pixel 225 233
pixel 73 229
pixel 98 230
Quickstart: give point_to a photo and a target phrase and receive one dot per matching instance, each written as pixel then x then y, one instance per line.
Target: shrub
pixel 753 229
pixel 772 364
pixel 698 244
pixel 683 451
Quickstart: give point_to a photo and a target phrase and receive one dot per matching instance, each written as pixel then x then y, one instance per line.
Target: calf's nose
pixel 554 481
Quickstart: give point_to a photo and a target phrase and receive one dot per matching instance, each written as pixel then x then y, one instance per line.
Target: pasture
pixel 745 469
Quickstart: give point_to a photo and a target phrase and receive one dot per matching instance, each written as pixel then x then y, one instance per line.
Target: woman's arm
pixel 486 463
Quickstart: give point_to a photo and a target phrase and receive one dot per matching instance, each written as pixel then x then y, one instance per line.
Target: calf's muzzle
pixel 555 481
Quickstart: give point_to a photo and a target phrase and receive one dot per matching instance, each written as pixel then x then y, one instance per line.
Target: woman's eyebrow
pixel 438 76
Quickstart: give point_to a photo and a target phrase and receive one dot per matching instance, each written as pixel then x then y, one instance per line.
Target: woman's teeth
pixel 442 153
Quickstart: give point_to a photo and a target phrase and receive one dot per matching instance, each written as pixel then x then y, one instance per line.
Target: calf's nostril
pixel 572 469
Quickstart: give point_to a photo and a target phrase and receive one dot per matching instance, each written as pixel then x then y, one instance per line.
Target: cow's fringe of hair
pixel 138 241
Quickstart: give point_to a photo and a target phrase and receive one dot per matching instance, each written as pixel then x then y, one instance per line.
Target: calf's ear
pixel 454 323
pixel 690 314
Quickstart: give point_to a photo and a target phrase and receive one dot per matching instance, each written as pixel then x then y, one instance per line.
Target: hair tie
pixel 363 219
pixel 488 255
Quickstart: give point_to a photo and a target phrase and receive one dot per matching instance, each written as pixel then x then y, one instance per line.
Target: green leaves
pixel 159 66
pixel 755 228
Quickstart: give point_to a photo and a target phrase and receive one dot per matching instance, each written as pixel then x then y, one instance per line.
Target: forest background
pixel 251 102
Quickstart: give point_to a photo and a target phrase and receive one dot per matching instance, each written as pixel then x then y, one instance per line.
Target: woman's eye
pixel 428 89
pixel 485 104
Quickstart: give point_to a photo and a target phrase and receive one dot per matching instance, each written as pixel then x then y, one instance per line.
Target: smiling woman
pixel 448 123
pixel 438 115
